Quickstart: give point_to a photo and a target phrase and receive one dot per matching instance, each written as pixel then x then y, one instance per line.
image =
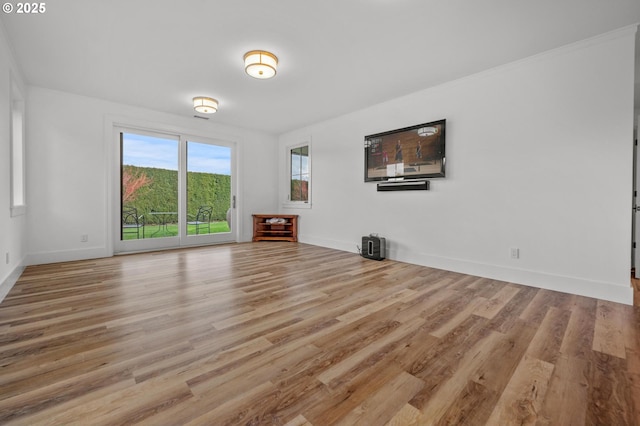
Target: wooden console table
pixel 263 230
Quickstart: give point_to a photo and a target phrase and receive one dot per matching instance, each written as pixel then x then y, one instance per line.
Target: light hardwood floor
pixel 285 333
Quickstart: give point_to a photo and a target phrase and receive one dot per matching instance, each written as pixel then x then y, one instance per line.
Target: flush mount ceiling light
pixel 427 131
pixel 205 105
pixel 260 64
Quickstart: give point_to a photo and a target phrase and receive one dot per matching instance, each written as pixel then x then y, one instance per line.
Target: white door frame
pixel 635 246
pixel 113 127
pixel 192 240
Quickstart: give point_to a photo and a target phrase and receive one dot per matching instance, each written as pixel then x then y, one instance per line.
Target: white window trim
pixel 114 125
pixel 17 103
pixel 287 203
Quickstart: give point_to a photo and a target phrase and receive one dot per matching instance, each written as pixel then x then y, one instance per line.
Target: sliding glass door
pixel 173 191
pixel 209 195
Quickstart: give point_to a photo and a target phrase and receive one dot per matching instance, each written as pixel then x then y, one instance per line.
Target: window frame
pixel 18 192
pixel 288 202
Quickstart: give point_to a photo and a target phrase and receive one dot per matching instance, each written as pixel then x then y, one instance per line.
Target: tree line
pixel 150 189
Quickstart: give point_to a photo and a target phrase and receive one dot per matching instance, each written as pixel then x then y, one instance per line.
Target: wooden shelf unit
pixel 265 231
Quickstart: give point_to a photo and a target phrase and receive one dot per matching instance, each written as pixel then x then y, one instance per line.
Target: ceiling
pixel 336 56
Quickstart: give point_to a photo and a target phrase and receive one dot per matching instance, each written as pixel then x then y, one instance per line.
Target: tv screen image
pixel 415 152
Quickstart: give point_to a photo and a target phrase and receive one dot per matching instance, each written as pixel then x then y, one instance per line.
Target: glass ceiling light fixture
pixel 260 64
pixel 205 105
pixel 427 131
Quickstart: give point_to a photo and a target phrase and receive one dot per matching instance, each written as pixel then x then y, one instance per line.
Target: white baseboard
pixel 67 255
pixel 614 292
pixel 7 284
pixel 334 244
pixel 566 284
pixel 573 285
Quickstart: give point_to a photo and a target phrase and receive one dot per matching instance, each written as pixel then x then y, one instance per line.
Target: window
pixel 17 152
pixel 171 190
pixel 299 176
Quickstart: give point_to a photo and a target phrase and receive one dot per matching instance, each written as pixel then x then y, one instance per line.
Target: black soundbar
pixel 417 185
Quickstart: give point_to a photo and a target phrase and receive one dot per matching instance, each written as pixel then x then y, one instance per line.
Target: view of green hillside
pixel 160 194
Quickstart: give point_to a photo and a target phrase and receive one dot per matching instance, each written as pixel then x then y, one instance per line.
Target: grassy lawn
pixel 151 230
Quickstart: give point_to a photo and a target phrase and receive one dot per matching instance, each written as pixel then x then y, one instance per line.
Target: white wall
pixel 12 229
pixel 539 157
pixel 68 161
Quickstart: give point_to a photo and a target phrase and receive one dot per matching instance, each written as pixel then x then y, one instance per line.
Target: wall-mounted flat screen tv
pixel 415 152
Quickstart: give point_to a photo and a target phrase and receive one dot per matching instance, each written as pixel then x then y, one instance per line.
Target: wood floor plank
pixel 566 402
pixel 578 338
pixel 130 405
pixel 354 315
pixel 509 315
pixel 609 399
pixel 478 395
pixel 485 288
pixel 200 359
pixel 547 341
pixel 608 334
pixel 385 402
pixel 344 398
pixel 472 406
pixel 46 396
pixel 631 319
pixel 492 306
pixel 425 303
pixel 73 411
pixel 515 343
pixel 407 415
pixel 291 334
pixel 537 309
pixel 448 391
pixel 459 318
pixel 233 410
pixel 521 402
pixel 339 370
pixel 254 368
pixel 298 421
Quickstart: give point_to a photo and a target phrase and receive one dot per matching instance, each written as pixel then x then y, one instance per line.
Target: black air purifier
pixel 373 247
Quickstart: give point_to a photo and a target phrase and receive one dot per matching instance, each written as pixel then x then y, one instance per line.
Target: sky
pixel 162 153
pixel 300 166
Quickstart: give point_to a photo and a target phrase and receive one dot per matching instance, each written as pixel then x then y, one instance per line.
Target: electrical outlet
pixel 84 238
pixel 515 253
